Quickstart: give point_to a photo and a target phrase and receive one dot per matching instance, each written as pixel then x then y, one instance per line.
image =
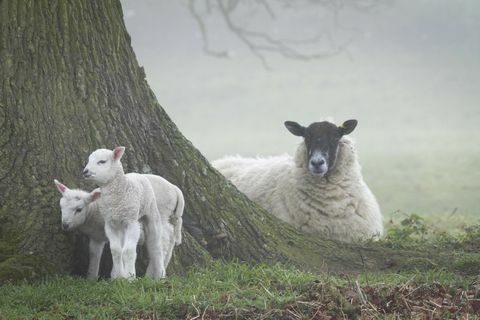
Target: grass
pixel 237 290
pixel 222 286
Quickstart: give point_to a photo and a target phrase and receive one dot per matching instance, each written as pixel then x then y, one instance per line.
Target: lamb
pixel 128 199
pixel 319 190
pixel 80 211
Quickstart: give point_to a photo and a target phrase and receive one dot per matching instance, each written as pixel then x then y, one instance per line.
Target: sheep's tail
pixel 178 221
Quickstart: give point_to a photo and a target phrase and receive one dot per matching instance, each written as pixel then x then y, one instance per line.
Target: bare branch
pixel 261 42
pixel 267 7
pixel 201 25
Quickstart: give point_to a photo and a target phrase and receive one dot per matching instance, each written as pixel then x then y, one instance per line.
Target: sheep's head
pixel 321 141
pixel 103 165
pixel 74 205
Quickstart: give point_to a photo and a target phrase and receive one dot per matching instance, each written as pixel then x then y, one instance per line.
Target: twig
pixel 204 311
pixel 363 264
pixel 360 293
pixel 259 42
pixel 203 31
pixel 266 290
pixel 453 212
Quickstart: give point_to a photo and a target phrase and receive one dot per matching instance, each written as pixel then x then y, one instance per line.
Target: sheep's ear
pixel 118 153
pixel 347 127
pixel 295 128
pixel 95 194
pixel 60 186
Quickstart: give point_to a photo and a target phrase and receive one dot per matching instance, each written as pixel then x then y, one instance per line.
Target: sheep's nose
pixel 86 173
pixel 317 162
pixel 65 226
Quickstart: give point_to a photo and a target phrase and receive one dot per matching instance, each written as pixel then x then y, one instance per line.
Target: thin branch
pixel 203 30
pixel 259 42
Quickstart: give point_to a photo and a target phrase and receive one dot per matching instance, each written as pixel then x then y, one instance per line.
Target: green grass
pixel 221 286
pixel 230 290
pixel 220 290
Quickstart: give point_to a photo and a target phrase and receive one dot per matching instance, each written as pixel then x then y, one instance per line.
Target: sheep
pixel 318 190
pixel 80 211
pixel 128 199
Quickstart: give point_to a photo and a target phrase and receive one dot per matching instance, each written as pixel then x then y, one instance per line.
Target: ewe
pixel 320 189
pixel 127 200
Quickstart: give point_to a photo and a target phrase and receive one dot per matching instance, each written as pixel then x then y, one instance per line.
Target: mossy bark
pixel 69 84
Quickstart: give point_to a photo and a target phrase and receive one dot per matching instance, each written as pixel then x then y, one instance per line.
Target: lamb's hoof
pixel 92 278
pixel 130 277
pixel 116 275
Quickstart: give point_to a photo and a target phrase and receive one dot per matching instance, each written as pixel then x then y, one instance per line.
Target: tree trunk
pixel 69 84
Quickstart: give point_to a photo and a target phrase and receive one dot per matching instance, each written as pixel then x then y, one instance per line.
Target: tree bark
pixel 69 84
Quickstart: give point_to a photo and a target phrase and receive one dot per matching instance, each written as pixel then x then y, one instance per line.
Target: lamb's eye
pixel 101 161
pixel 78 210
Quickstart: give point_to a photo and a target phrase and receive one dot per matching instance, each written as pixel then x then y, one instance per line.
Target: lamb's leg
pixel 156 254
pixel 95 254
pixel 169 251
pixel 132 234
pixel 115 238
pixel 169 235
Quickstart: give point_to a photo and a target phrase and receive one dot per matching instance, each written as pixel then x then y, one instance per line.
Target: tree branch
pixel 261 42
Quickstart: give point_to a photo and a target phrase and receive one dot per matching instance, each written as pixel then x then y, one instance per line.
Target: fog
pixel 409 71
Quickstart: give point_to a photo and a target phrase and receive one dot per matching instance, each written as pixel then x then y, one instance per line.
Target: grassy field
pixel 240 291
pixel 230 291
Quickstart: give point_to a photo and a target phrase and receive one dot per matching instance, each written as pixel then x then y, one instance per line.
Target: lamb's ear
pixel 118 153
pixel 60 186
pixel 347 127
pixel 95 194
pixel 295 128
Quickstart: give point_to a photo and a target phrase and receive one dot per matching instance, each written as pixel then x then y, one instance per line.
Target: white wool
pixel 339 206
pixel 130 198
pixel 88 221
pixel 170 202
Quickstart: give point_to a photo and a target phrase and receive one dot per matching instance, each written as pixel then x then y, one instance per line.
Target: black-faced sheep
pixel 319 190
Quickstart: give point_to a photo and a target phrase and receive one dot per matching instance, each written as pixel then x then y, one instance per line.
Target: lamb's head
pixel 103 165
pixel 321 142
pixel 74 205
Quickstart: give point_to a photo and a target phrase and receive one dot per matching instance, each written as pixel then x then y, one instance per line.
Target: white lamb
pixel 319 190
pixel 80 211
pixel 128 199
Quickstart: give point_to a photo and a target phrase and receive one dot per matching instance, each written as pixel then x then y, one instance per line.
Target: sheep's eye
pixel 78 210
pixel 101 161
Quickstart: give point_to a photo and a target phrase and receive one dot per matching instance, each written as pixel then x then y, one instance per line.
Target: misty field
pixel 418 154
pixel 410 78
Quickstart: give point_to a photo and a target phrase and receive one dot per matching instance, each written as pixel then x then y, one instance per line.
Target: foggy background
pixel 409 71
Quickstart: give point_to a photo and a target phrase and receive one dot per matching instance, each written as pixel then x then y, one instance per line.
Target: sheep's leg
pixel 95 254
pixel 115 238
pixel 168 236
pixel 169 250
pixel 169 241
pixel 156 254
pixel 132 234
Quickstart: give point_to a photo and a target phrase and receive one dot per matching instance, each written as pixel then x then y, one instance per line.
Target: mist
pixel 408 71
